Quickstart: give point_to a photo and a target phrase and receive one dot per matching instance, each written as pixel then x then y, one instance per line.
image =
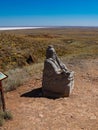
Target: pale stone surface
pixel 58 81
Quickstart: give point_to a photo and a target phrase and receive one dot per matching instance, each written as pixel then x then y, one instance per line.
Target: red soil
pixel 77 112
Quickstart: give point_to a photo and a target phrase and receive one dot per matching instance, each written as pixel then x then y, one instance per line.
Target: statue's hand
pixel 66 73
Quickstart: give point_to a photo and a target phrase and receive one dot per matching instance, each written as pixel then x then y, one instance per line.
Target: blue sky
pixel 49 13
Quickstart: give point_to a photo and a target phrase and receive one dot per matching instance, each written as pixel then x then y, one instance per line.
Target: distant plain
pixel 17 45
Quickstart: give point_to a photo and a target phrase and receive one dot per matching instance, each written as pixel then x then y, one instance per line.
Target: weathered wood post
pixel 2 96
pixel 2 76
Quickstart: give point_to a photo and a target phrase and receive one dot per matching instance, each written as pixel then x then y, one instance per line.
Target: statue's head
pixel 50 52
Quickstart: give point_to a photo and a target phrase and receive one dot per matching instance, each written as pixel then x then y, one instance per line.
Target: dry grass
pixel 5 116
pixel 19 76
pixel 17 46
pixel 1 118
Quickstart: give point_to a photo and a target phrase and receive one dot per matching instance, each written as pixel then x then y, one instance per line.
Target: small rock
pixel 93 117
pixel 41 115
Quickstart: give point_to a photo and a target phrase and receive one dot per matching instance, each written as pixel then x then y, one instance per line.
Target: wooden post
pixel 2 97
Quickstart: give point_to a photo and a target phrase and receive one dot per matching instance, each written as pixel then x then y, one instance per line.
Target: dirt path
pixel 78 112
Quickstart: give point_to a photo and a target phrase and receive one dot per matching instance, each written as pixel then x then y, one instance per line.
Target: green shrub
pixel 1 118
pixel 5 116
pixel 8 115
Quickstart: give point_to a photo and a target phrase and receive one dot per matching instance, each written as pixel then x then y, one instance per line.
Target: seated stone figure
pixel 58 81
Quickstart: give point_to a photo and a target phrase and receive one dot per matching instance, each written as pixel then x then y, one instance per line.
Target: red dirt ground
pixel 77 112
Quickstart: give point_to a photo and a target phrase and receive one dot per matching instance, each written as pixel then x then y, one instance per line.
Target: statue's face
pixel 51 53
pixel 54 55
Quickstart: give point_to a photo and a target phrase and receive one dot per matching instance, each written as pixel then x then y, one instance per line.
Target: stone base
pixel 51 94
pixel 66 93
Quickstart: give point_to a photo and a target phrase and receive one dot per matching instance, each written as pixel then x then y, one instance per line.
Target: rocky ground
pixel 77 112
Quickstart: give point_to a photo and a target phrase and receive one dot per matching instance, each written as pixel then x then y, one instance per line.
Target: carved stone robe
pixel 56 82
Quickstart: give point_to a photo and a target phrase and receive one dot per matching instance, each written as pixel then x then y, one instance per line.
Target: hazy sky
pixel 49 12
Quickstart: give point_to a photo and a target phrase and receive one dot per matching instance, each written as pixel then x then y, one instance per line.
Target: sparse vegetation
pixel 1 118
pixel 19 76
pixel 5 116
pixel 17 46
pixel 22 48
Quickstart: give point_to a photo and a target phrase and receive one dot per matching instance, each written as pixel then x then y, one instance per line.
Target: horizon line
pixel 2 28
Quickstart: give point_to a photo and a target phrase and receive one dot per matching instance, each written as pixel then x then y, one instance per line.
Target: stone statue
pixel 58 81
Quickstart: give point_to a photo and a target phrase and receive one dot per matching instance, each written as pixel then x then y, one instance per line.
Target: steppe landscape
pixel 22 54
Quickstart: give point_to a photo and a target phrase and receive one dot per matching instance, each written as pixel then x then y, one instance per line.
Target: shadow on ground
pixel 33 93
pixel 36 93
